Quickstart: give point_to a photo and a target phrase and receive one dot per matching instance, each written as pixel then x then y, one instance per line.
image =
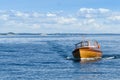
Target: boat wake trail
pixel 69 58
pixel 104 57
pixel 116 56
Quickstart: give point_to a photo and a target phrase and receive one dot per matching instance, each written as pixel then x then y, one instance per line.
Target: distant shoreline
pixel 11 33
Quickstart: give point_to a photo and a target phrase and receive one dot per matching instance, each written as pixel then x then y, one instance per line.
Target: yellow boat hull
pixel 87 53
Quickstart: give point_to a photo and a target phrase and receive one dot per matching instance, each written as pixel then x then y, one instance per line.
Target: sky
pixel 60 16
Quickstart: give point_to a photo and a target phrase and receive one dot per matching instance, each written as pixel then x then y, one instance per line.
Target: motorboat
pixel 87 50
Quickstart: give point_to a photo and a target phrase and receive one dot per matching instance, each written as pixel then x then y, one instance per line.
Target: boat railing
pixel 93 44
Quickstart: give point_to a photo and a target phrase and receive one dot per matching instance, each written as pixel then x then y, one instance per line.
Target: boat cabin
pixel 87 43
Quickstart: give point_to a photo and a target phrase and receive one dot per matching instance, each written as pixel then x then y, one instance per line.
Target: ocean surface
pixel 49 57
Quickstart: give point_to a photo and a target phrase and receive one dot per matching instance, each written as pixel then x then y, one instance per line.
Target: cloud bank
pixel 84 20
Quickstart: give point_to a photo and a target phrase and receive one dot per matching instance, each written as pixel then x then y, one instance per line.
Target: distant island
pixel 9 33
pixel 12 33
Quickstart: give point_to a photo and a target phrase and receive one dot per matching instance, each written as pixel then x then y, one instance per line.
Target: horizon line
pixel 52 33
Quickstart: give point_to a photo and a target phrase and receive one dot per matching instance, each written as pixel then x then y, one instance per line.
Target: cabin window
pixel 93 43
pixel 85 43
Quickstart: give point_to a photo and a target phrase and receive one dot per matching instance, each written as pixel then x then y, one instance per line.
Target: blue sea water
pixel 36 57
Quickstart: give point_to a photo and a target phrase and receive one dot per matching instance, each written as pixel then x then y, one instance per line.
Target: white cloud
pixel 92 10
pixel 88 16
pixel 98 26
pixel 4 17
pixel 114 18
pixel 92 23
pixel 36 26
pixel 50 15
pixel 87 10
pixel 93 13
pixel 86 19
pixel 63 20
pixel 91 20
pixel 22 14
pixel 103 10
pixel 37 15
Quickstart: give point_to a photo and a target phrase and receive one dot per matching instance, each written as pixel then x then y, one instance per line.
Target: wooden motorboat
pixel 87 50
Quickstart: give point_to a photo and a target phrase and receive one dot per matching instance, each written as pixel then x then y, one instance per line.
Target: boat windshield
pixel 87 44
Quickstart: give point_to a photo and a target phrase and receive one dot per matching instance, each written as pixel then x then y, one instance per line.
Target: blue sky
pixel 60 16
